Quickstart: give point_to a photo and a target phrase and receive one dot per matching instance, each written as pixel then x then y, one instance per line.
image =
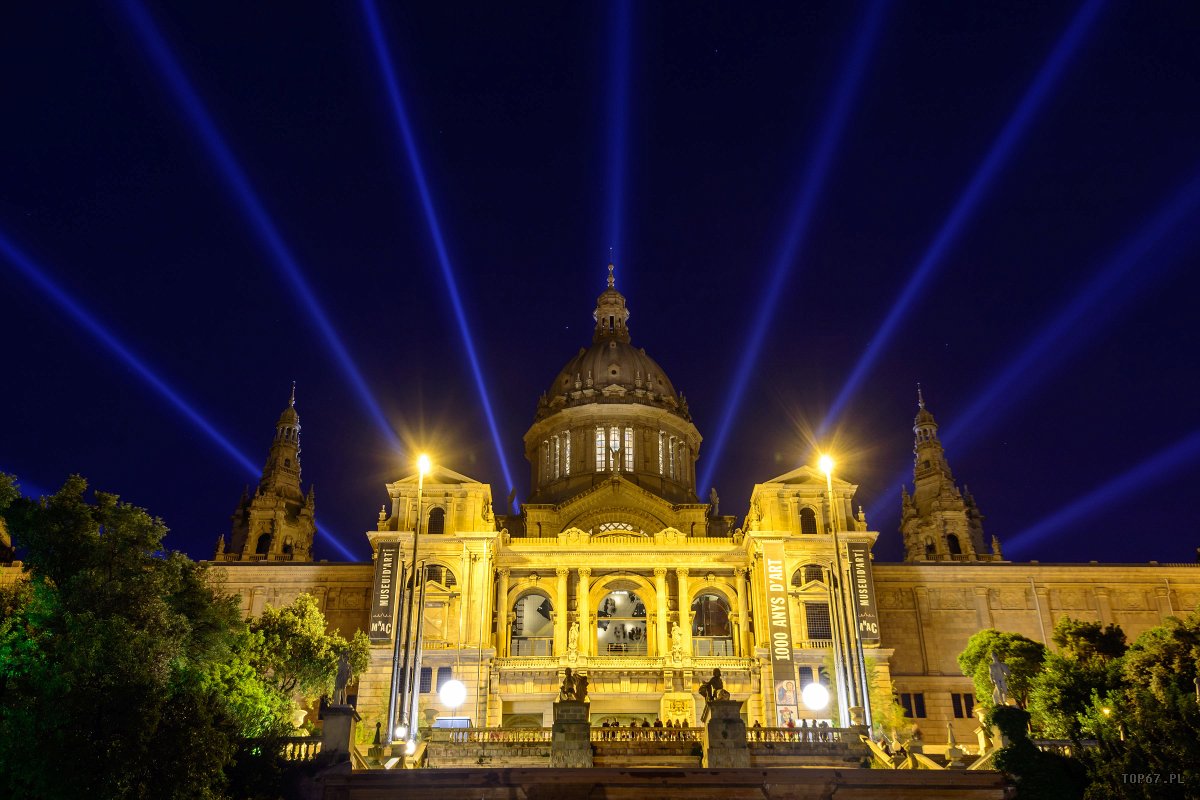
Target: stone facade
pixel 616 570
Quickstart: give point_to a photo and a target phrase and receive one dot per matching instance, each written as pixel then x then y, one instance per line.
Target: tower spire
pixel 920 397
pixel 292 403
pixel 612 282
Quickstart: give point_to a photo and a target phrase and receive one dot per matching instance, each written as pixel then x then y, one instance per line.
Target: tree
pixel 1086 664
pixel 1151 724
pixel 1022 656
pixel 123 672
pixel 293 651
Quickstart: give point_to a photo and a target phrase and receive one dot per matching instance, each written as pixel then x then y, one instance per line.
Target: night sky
pixel 517 113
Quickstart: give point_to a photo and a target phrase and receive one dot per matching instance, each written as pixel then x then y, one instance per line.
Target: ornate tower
pixel 939 522
pixel 277 523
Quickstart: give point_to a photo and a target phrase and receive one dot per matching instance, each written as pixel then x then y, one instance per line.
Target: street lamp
pixel 403 679
pixel 850 650
pixel 453 694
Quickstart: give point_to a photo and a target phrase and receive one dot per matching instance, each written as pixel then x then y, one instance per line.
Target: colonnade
pixel 661 619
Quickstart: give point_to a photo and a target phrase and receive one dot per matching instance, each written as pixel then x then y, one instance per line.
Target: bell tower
pixel 938 521
pixel 277 523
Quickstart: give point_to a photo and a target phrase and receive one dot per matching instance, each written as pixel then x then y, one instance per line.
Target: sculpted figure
pixel 713 688
pixel 567 690
pixel 999 673
pixel 344 677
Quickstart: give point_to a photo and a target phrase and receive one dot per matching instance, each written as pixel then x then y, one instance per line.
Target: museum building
pixel 615 569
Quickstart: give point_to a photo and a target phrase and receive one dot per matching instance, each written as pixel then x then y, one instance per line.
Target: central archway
pixel 621 624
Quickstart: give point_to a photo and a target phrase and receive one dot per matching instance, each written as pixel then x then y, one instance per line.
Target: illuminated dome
pixel 612 412
pixel 612 370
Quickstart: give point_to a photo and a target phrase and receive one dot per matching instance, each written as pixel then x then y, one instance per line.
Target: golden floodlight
pixel 826 464
pixel 423 465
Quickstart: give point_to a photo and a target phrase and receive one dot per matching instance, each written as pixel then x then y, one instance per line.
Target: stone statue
pixel 713 688
pixel 573 638
pixel 567 690
pixel 716 502
pixel 344 676
pixel 581 688
pixel 999 673
pixel 676 642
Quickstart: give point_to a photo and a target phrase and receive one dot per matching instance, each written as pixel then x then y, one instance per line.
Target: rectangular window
pixel 914 704
pixel 671 457
pixel 662 448
pixel 816 617
pixel 557 456
pixel 614 443
pixel 545 461
pixel 964 705
pixel 567 453
pixel 629 449
pixel 444 676
pixel 601 454
pixel 426 679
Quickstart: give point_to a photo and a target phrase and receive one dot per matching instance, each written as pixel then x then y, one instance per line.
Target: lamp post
pixel 405 682
pixel 849 648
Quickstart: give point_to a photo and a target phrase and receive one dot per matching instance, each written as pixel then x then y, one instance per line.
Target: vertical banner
pixel 779 628
pixel 862 590
pixel 384 594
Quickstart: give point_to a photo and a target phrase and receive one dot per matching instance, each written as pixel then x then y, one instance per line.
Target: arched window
pixel 952 545
pixel 807 574
pixel 808 520
pixel 930 550
pixel 532 626
pixel 440 574
pixel 712 632
pixel 263 546
pixel 437 522
pixel 621 624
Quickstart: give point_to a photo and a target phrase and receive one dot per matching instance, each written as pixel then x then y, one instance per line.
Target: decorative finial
pixel 920 397
pixel 293 403
pixel 611 281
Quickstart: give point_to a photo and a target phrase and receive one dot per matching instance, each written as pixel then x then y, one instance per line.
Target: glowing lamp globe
pixel 423 464
pixel 453 693
pixel 815 696
pixel 410 747
pixel 826 464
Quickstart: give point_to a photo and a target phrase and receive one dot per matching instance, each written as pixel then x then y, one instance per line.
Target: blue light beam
pixel 1161 465
pixel 260 220
pixel 1059 338
pixel 40 279
pixel 814 181
pixel 435 229
pixel 968 202
pixel 1065 333
pixel 618 122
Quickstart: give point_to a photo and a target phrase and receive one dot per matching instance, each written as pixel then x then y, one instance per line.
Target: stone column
pixel 664 628
pixel 928 643
pixel 561 604
pixel 502 610
pixel 1045 617
pixel 685 610
pixel 743 641
pixel 1162 597
pixel 583 607
pixel 1104 604
pixel 983 610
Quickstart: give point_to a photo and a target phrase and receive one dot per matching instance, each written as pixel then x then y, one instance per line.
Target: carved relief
pixel 1131 601
pixel 894 598
pixel 951 599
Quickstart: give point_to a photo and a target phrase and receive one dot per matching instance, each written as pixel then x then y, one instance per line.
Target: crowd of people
pixel 671 730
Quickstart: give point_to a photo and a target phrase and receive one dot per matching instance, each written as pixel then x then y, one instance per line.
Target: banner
pixel 384 593
pixel 862 592
pixel 779 634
